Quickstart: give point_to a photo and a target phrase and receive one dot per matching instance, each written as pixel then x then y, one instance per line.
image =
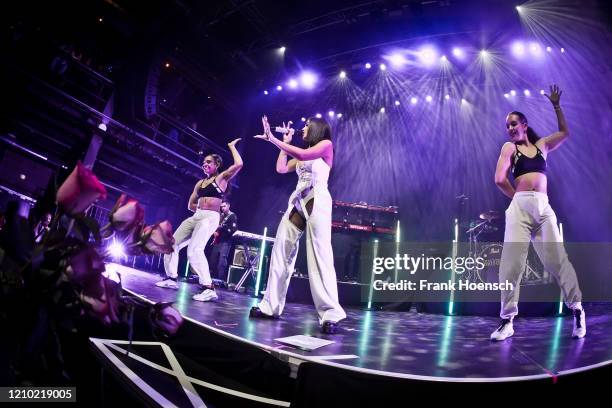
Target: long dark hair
pixel 318 129
pixel 531 134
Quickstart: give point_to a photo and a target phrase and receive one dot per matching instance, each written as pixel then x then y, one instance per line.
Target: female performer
pixel 530 218
pixel 205 202
pixel 310 208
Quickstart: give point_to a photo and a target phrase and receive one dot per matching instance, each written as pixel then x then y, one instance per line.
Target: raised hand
pixel 555 95
pixel 290 131
pixel 233 142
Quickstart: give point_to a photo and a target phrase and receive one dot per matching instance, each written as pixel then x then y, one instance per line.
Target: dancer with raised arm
pixel 310 210
pixel 205 202
pixel 530 218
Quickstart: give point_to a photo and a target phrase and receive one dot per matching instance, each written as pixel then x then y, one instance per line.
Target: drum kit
pixel 490 252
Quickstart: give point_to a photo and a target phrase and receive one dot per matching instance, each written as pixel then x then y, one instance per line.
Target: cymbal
pixel 490 215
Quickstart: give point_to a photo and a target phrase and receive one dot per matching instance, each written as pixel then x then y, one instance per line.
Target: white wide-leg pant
pixel 195 231
pixel 320 258
pixel 529 218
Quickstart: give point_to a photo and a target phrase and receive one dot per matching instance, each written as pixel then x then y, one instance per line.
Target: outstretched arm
pixel 320 150
pixel 232 170
pixel 501 171
pixel 555 140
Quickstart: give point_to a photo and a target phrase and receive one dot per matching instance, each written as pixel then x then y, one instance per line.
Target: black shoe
pixel 256 313
pixel 330 327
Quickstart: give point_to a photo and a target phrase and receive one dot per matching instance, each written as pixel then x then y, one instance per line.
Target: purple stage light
pixel 368 65
pixel 506 95
pixel 382 110
pixel 513 92
pixel 397 103
pixel 397 60
pixel 526 92
pixel 413 100
pixel 308 79
pixel 116 249
pixel 331 113
pixel 292 83
pixel 338 115
pixel 458 53
pixel 447 97
pixel 279 88
pixel 266 92
pixel 535 49
pixel 382 67
pixel 342 74
pixel 303 119
pixel 548 49
pixel 318 115
pixel 563 50
pixel 428 55
pixel 541 92
pixel 428 98
pixel 518 49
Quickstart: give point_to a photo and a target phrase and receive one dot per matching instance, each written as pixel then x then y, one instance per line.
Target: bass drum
pixel 491 255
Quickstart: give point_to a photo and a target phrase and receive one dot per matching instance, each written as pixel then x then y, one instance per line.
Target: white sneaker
pixel 579 324
pixel 167 283
pixel 206 296
pixel 504 330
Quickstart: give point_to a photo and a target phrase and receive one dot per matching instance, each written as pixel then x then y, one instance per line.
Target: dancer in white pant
pixel 196 230
pixel 529 218
pixel 309 209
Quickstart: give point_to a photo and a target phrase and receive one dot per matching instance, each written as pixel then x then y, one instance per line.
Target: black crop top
pixel 211 190
pixel 522 164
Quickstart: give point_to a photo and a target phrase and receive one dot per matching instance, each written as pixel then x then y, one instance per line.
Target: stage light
pixel 279 88
pixel 338 115
pixel 519 8
pixel 342 74
pixel 518 49
pixel 506 96
pixel 101 20
pixel 308 79
pixel 463 100
pixel 535 49
pixel 303 119
pixel 542 92
pixel 413 100
pixel 292 83
pixel 484 53
pixel 397 103
pixel 513 92
pixel 526 92
pixel 368 65
pixel 167 65
pixel 382 67
pixel 382 110
pixel 22 176
pixel 266 92
pixel 262 250
pixel 116 249
pixel 428 98
pixel 447 97
pixel 427 56
pixel 443 58
pixel 458 52
pixel 282 49
pixel 397 60
pixel 331 113
pixel 549 49
pixel 318 115
pixel 563 50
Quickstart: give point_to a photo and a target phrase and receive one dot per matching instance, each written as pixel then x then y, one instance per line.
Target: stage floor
pixel 402 344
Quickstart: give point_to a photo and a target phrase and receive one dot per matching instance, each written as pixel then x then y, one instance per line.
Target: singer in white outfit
pixel 309 210
pixel 530 218
pixel 195 231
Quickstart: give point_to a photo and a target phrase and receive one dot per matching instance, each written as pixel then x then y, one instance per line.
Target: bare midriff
pixel 531 182
pixel 209 203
